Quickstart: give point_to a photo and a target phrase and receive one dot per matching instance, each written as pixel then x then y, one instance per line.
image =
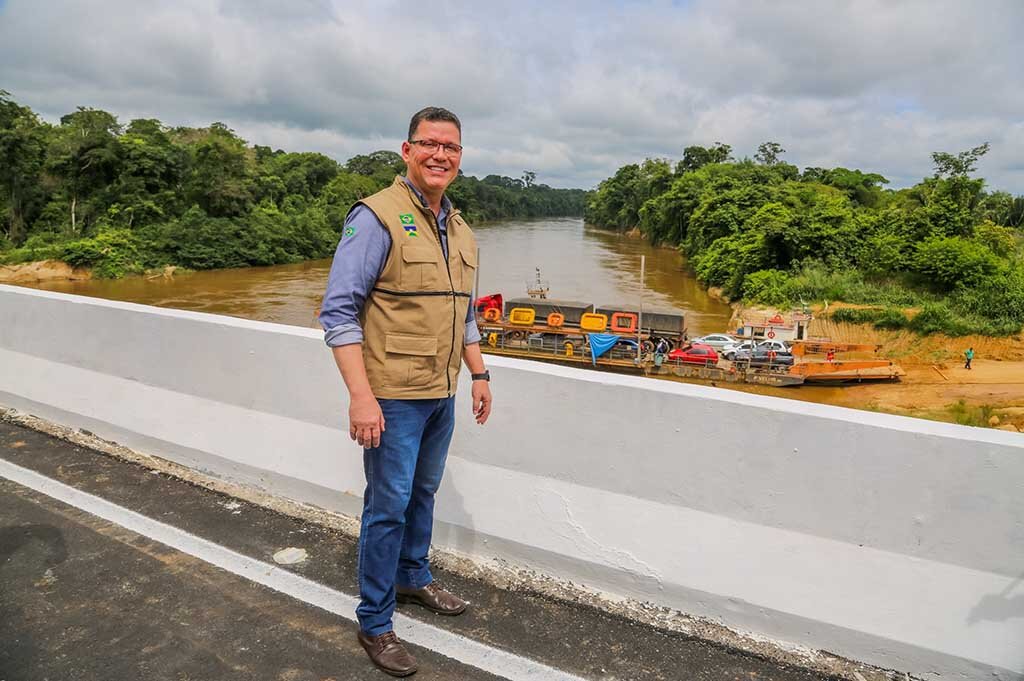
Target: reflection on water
pixel 580 263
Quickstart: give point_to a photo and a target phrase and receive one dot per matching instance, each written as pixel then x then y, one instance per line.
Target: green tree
pixel 22 153
pixel 665 218
pixel 769 153
pixel 997 238
pixel 380 165
pixel 767 286
pixel 884 252
pixel 152 170
pixel 340 193
pixel 959 165
pixel 1003 208
pixel 696 157
pixel 864 188
pixel 84 153
pixel 953 261
pixel 302 174
pixel 221 179
pixel 618 201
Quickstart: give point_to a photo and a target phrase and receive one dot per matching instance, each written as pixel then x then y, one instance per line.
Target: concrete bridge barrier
pixel 890 540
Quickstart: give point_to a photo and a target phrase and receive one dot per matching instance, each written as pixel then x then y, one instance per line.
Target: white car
pixel 729 351
pixel 716 340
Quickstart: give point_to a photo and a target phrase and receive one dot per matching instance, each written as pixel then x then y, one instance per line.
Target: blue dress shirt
pixel 358 263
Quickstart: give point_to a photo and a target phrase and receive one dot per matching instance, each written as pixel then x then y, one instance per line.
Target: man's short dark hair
pixel 433 113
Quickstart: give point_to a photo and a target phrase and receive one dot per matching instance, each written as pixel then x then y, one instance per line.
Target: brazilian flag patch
pixel 407 224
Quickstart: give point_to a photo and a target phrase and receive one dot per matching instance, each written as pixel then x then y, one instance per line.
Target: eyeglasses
pixel 430 146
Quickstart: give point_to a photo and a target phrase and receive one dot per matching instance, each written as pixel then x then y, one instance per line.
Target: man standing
pixel 397 315
pixel 969 357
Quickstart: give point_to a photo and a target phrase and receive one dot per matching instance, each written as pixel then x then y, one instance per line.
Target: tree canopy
pixel 124 198
pixel 764 231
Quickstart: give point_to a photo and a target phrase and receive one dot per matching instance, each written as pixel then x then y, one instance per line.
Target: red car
pixel 697 353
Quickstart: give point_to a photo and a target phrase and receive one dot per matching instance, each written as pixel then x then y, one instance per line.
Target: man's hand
pixel 481 401
pixel 366 421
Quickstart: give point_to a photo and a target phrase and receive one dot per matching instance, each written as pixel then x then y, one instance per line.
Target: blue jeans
pixel 402 476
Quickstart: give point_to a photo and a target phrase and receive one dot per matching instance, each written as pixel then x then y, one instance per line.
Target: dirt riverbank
pixel 936 385
pixel 946 392
pixel 42 271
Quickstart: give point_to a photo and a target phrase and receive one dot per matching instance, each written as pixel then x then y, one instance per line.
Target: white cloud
pixel 571 91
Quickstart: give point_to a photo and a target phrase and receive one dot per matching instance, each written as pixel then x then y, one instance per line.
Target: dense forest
pixel 126 198
pixel 942 256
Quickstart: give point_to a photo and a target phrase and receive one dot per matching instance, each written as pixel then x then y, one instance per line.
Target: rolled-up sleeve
pixel 358 263
pixel 472 332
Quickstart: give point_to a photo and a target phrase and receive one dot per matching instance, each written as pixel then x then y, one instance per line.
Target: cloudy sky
pixel 570 90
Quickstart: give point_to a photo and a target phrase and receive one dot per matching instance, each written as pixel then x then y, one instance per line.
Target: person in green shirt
pixel 969 355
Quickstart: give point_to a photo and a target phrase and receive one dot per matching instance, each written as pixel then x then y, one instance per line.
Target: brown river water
pixel 577 262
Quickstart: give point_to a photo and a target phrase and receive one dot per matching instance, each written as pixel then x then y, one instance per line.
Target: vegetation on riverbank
pixel 125 198
pixel 942 256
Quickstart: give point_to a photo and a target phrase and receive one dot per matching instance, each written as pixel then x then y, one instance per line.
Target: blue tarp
pixel 601 343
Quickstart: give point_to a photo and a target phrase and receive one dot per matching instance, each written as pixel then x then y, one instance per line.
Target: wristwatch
pixel 485 376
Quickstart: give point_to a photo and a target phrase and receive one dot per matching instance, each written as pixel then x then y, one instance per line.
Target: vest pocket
pixel 410 359
pixel 419 268
pixel 467 270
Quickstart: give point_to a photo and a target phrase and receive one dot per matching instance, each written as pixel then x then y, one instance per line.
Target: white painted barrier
pixel 894 541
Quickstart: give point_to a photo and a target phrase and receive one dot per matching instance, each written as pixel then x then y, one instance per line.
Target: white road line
pixel 493 660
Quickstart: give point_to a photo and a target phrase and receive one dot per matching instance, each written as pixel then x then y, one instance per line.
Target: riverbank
pixel 936 385
pixel 899 345
pixel 935 391
pixel 42 271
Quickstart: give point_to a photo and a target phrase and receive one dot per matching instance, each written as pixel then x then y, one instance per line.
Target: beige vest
pixel 414 319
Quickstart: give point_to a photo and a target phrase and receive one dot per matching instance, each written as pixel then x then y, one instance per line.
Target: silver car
pixel 716 340
pixel 729 351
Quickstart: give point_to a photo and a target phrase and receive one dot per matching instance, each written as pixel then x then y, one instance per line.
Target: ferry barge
pixel 612 337
pixel 625 339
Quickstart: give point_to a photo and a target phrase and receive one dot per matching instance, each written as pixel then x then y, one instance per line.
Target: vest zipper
pixel 457 294
pixel 451 283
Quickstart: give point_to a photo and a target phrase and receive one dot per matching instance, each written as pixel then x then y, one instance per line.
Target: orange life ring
pixel 556 319
pixel 492 314
pixel 624 322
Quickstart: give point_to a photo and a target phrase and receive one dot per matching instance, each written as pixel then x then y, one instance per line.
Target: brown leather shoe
pixel 432 597
pixel 388 653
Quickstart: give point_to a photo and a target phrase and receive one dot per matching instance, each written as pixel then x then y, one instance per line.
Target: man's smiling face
pixel 432 172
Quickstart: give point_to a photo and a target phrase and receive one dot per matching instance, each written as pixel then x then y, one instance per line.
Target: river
pixel 577 261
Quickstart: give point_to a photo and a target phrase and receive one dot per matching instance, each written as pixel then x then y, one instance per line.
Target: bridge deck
pixel 84 597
